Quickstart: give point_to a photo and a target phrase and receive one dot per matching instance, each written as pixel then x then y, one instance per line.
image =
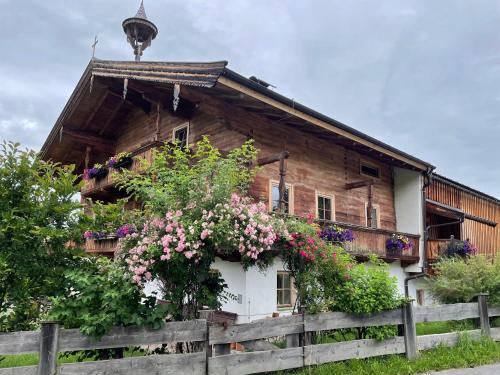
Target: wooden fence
pixel 215 355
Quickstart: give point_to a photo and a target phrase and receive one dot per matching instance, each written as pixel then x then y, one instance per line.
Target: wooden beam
pixel 358 184
pixel 313 120
pixel 90 139
pixel 111 117
pixel 273 159
pixel 95 110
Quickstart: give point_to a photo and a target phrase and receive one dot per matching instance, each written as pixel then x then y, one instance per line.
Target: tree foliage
pixel 460 279
pixel 99 295
pixel 38 217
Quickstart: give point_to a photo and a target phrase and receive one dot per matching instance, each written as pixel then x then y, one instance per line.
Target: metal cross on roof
pixel 93 46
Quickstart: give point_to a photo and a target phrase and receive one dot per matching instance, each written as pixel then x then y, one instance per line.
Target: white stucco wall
pixel 408 205
pixel 256 290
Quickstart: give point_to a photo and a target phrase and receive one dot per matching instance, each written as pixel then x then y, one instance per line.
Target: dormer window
pixel 370 170
pixel 180 134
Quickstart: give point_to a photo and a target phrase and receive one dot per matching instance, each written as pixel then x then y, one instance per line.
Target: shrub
pixel 38 217
pixel 460 279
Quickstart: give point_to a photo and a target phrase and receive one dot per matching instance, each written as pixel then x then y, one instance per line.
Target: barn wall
pixel 484 237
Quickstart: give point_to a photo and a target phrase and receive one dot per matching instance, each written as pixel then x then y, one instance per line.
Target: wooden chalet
pixel 332 171
pixel 462 213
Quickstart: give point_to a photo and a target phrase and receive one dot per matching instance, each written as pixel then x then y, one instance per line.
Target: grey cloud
pixel 422 75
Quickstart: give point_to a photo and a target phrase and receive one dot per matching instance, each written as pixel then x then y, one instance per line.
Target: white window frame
pixel 273 183
pixel 374 205
pixel 293 292
pixel 324 195
pixel 372 165
pixel 182 126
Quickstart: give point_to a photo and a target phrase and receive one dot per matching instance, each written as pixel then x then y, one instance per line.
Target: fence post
pixel 410 331
pixel 484 319
pixel 49 337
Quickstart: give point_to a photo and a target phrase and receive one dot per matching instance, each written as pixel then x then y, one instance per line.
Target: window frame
pixel 370 165
pixel 377 207
pixel 332 199
pixel 420 297
pixel 273 183
pixel 291 289
pixel 185 125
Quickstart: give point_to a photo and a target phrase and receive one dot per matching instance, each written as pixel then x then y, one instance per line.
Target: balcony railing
pixel 373 241
pixel 366 241
pixel 138 156
pixel 103 246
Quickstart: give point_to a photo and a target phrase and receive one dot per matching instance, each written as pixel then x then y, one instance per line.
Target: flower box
pixel 121 161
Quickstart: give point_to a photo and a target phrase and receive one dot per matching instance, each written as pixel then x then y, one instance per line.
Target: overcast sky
pixel 423 75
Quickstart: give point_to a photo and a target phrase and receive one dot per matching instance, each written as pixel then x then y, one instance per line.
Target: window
pixel 181 135
pixel 275 197
pixel 369 170
pixel 325 207
pixel 420 297
pixel 284 289
pixel 375 215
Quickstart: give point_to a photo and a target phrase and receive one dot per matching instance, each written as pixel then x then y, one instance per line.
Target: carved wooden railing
pixel 144 152
pixel 373 241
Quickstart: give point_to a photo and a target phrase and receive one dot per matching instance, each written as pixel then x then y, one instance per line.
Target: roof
pixel 216 74
pixel 465 188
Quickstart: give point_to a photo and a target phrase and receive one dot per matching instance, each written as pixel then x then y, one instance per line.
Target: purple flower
pixel 124 230
pixel 112 162
pixel 337 234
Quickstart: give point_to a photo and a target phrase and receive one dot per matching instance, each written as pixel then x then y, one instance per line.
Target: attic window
pixel 369 170
pixel 181 134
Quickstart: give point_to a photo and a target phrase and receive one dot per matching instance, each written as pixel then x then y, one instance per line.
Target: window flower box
pixel 122 160
pixel 397 244
pixel 97 172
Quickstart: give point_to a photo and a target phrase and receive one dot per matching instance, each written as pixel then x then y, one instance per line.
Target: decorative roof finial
pixel 141 13
pixel 140 31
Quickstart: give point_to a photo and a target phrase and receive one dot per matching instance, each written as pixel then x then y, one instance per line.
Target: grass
pixel 32 358
pixel 434 328
pixel 468 353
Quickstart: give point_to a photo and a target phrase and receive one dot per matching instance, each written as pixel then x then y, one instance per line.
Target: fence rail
pixel 215 357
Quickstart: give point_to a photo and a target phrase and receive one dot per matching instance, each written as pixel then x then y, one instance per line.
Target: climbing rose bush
pixel 239 224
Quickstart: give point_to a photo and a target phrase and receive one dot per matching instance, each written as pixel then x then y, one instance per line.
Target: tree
pixel 38 218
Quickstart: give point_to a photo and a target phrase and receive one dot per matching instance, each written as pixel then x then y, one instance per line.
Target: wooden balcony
pixel 366 241
pixel 94 186
pixel 436 247
pixel 372 241
pixel 103 246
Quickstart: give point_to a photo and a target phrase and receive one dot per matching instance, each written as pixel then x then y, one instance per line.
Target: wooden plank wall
pixel 314 164
pixel 484 237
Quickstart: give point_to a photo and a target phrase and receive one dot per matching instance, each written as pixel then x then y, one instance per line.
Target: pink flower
pixel 180 247
pixel 188 254
pixel 204 234
pixel 148 276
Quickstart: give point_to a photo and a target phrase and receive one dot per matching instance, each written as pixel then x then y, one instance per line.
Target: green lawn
pixel 32 359
pixel 467 353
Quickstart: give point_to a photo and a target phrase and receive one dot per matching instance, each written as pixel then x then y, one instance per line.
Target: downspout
pixel 427 181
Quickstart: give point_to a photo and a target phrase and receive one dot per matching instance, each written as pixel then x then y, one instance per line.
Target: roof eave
pixel 297 108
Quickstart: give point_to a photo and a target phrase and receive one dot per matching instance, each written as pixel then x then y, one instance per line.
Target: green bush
pixel 38 217
pixel 460 279
pixel 99 295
